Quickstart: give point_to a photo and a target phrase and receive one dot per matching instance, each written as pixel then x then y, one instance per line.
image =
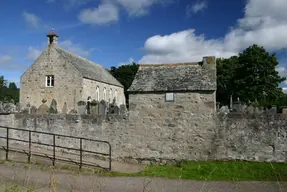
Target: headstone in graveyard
pixel 82 108
pixel 65 108
pixel 33 110
pixel 53 107
pixel 123 109
pixel 102 107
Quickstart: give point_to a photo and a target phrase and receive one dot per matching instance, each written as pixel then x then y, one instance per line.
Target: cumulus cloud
pixel 75 48
pixel 139 7
pixel 282 72
pixel 196 7
pixel 31 19
pixel 264 23
pixel 130 61
pixel 103 14
pixel 33 53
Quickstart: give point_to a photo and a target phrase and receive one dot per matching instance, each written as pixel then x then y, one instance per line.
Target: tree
pixel 12 85
pixel 125 75
pixel 226 69
pixel 256 79
pixel 8 93
pixel 2 81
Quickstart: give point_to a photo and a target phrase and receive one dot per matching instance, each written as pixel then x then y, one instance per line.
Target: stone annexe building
pixel 166 86
pixel 67 78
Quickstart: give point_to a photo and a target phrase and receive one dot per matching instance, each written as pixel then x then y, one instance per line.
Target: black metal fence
pixel 54 157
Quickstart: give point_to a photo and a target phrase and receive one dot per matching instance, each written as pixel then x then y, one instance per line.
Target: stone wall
pixel 233 137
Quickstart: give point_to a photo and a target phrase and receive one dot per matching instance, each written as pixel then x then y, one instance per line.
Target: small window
pixel 116 96
pixel 104 94
pixel 50 81
pixel 97 93
pixel 169 97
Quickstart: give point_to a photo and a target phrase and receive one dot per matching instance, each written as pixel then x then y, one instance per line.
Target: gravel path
pixel 44 180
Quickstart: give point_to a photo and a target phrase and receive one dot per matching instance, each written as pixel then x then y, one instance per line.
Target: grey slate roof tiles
pixel 173 77
pixel 88 68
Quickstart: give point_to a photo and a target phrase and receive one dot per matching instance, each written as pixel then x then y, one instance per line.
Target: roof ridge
pixel 169 64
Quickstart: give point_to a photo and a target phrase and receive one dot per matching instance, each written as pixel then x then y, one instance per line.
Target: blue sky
pixel 115 32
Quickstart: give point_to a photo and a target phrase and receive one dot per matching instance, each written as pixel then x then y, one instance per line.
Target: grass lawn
pixel 208 171
pixel 211 171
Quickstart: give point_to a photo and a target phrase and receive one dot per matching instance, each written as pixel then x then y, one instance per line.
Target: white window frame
pixel 111 96
pixel 169 97
pixel 97 93
pixel 116 96
pixel 50 81
pixel 104 94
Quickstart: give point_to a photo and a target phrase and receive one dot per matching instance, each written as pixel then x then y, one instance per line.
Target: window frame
pixel 169 100
pixel 50 81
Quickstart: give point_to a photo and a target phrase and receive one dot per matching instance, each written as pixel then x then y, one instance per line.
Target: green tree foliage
pixel 226 69
pixel 8 93
pixel 2 82
pixel 125 75
pixel 251 76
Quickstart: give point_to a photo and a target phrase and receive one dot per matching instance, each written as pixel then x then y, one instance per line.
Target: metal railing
pixel 54 157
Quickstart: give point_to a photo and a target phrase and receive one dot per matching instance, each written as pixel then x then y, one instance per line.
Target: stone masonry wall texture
pixel 166 138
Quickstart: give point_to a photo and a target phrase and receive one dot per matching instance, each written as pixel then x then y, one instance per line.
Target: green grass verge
pixel 208 171
pixel 225 171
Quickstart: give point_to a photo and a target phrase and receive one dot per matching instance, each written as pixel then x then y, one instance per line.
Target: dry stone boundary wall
pixel 235 136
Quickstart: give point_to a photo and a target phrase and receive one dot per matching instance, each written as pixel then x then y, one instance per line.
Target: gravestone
pixel 82 108
pixel 224 109
pixel 33 110
pixel 73 112
pixel 18 107
pixel 65 108
pixel 94 111
pixel 102 108
pixel 123 109
pixel 89 105
pixel 1 107
pixel 116 110
pixel 273 109
pixel 43 109
pixel 53 107
pixel 9 107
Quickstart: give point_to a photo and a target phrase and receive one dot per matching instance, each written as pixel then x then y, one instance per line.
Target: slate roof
pixel 88 68
pixel 173 77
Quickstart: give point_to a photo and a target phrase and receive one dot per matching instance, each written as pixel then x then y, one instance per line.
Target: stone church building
pixel 68 79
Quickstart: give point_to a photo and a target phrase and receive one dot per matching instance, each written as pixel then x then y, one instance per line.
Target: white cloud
pixel 75 48
pixel 196 7
pixel 139 7
pixel 282 72
pixel 130 61
pixel 31 19
pixel 5 59
pixel 33 53
pixel 264 23
pixel 103 14
pixel 284 89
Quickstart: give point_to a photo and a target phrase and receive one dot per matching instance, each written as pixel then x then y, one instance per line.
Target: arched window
pixel 116 96
pixel 97 93
pixel 111 96
pixel 104 94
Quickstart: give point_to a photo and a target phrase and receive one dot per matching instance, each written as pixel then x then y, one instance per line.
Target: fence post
pixel 81 153
pixel 7 143
pixel 29 155
pixel 54 149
